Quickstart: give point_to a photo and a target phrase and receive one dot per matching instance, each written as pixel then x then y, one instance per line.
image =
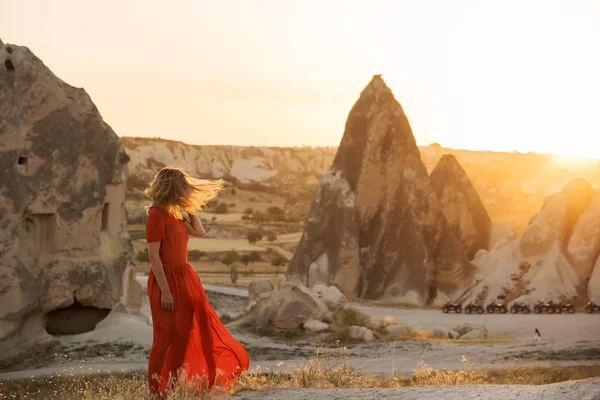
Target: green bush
pixel 254 236
pixel 195 255
pixel 222 208
pixel 233 274
pixel 230 257
pixel 143 256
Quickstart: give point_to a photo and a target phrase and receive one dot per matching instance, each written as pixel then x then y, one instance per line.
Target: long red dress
pixel 191 338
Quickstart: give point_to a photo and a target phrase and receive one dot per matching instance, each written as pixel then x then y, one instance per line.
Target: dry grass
pixel 433 336
pixel 323 371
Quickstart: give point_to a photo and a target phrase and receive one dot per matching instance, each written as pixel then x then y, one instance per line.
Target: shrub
pixel 271 237
pixel 143 256
pixel 245 259
pixel 195 255
pixel 274 210
pixel 222 208
pixel 230 257
pixel 254 236
pixel 249 211
pixel 278 260
pixel 254 256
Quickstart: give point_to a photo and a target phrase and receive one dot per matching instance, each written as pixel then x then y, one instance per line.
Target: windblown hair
pixel 174 188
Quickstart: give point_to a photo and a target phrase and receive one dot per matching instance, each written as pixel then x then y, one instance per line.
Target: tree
pixel 254 236
pixel 230 257
pixel 222 208
pixel 245 259
pixel 248 211
pixel 271 237
pixel 274 210
pixel 254 256
pixel 195 255
pixel 143 256
pixel 278 260
pixel 233 274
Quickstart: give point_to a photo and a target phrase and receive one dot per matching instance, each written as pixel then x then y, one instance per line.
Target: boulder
pixel 290 306
pixel 375 200
pixel 315 326
pixel 474 334
pixel 444 333
pixel 64 247
pixel 373 325
pixel 330 295
pixel 467 327
pixel 360 333
pixel 395 329
pixel 259 289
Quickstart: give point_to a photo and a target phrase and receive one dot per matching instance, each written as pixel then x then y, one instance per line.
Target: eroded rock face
pixel 461 205
pixel 553 259
pixel 63 235
pixel 375 228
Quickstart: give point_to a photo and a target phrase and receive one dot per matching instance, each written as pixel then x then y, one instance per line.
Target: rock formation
pixel 555 257
pixel 461 205
pixel 64 246
pixel 463 208
pixel 375 228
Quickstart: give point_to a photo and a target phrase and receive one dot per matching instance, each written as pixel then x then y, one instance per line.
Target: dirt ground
pixel 576 390
pixel 567 340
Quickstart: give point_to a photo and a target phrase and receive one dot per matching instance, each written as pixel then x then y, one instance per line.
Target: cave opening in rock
pixel 74 319
pixel 22 160
pixel 9 66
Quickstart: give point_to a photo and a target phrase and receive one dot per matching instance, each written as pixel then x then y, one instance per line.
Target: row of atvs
pixel 539 308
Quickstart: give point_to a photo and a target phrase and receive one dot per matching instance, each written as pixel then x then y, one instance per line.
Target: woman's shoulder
pixel 153 210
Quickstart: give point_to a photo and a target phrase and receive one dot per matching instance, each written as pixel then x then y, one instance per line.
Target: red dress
pixel 191 338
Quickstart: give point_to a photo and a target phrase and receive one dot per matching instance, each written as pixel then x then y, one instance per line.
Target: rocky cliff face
pixel 554 258
pixel 297 170
pixel 376 228
pixel 64 246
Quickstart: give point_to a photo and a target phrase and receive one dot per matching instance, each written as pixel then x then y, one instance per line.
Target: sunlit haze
pixel 495 75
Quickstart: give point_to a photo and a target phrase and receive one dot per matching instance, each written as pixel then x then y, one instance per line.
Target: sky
pixel 501 75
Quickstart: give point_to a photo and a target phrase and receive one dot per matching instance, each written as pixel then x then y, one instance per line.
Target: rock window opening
pixel 43 228
pixel 75 319
pixel 9 66
pixel 9 49
pixel 105 210
pixel 22 160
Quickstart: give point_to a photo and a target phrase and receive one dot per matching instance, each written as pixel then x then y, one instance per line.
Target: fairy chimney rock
pixel 461 205
pixel 375 227
pixel 64 247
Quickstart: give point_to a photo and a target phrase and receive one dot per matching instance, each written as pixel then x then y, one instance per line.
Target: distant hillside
pixel 512 186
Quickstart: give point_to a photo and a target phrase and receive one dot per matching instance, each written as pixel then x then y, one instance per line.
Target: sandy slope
pixel 576 390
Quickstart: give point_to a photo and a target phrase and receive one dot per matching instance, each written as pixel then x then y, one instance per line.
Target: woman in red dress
pixel 190 344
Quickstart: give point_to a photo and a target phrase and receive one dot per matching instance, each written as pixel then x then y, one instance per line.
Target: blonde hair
pixel 174 188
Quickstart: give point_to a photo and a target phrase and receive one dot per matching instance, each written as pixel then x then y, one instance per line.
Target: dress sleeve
pixel 155 227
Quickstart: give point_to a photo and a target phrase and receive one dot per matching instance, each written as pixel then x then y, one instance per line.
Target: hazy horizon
pixel 497 76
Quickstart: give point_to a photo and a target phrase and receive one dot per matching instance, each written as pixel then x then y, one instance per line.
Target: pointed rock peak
pixel 377 85
pixel 446 170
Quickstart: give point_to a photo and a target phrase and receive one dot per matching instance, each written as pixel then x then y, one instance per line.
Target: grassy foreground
pixel 322 372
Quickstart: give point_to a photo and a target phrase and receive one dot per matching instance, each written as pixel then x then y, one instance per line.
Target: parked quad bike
pixel 568 307
pixel 448 306
pixel 592 307
pixel 520 308
pixel 472 308
pixel 493 307
pixel 542 306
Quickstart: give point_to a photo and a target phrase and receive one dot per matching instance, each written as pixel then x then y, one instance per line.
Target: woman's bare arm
pixel 194 225
pixel 159 274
